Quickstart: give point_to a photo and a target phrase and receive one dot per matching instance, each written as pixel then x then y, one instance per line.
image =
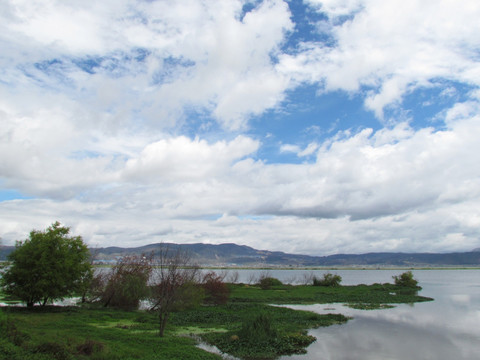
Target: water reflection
pixel 445 329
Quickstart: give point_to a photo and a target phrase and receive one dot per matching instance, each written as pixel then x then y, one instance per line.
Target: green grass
pixel 65 333
pixel 60 333
pixel 290 328
pixel 97 333
pixel 303 294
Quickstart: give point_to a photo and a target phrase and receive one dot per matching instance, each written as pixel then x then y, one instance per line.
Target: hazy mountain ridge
pixel 241 255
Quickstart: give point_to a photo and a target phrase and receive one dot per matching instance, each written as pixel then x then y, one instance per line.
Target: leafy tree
pixel 328 280
pixel 406 280
pixel 174 286
pixel 49 265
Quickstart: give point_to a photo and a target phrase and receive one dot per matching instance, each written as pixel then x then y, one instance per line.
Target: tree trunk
pixel 163 317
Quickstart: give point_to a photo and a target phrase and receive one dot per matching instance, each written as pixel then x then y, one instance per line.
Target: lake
pixel 444 329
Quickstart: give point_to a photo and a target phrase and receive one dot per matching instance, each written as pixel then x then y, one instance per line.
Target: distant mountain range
pixel 231 255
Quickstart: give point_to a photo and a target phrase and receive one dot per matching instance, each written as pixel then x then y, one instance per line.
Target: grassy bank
pixel 305 294
pixel 246 326
pixel 94 333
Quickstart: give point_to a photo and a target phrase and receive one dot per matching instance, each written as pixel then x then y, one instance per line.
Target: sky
pixel 310 127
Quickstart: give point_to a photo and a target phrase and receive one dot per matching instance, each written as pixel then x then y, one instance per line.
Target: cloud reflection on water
pixel 444 329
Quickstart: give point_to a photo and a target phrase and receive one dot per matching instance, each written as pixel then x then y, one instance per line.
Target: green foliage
pixel 369 306
pixel 328 280
pixel 245 327
pixel 254 330
pixel 272 332
pixel 53 350
pixel 406 279
pixel 49 265
pixel 267 282
pixel 94 333
pixel 258 329
pixel 303 294
pixel 189 295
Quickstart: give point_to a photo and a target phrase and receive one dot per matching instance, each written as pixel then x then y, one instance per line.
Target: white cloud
pixel 309 150
pixel 162 56
pixel 285 148
pixel 389 190
pixel 181 159
pixel 337 7
pixel 93 99
pixel 391 48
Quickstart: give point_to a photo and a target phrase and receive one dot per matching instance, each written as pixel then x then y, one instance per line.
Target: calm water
pixel 445 329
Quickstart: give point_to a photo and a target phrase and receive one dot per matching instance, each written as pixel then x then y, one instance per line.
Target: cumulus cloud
pixel 95 100
pixel 162 56
pixel 181 159
pixel 393 189
pixel 389 48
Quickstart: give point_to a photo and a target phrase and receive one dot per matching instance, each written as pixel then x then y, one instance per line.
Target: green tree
pixel 328 279
pixel 49 265
pixel 406 280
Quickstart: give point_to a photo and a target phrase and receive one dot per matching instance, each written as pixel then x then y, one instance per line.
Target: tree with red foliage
pixel 216 291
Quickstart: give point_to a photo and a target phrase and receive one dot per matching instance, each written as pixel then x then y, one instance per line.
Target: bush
pixel 259 339
pixel 406 280
pixel 267 282
pixel 216 291
pixel 127 283
pixel 89 347
pixel 328 280
pixel 54 350
pixel 258 330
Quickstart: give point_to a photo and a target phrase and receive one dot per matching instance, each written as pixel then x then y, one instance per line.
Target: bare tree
pixel 233 277
pixel 174 284
pixel 252 279
pixel 308 278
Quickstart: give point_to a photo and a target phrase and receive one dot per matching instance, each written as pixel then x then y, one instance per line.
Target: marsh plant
pixel 258 330
pixel 328 279
pixel 406 280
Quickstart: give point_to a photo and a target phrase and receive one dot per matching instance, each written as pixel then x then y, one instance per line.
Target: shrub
pixel 257 330
pixel 406 280
pixel 259 339
pixel 127 283
pixel 267 282
pixel 216 291
pixel 54 350
pixel 89 347
pixel 328 280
